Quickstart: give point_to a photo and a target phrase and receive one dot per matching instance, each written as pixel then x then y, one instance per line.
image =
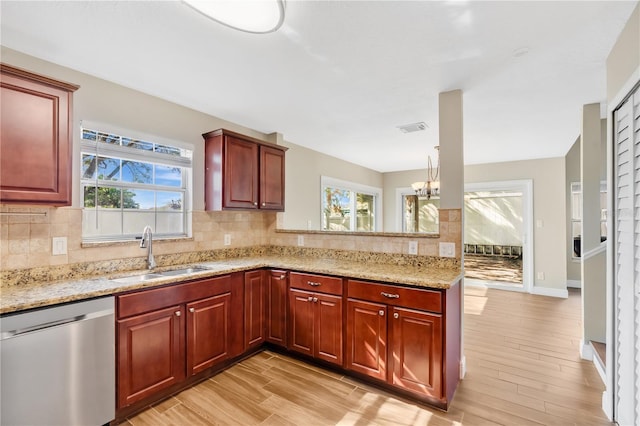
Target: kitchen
pixel 29 247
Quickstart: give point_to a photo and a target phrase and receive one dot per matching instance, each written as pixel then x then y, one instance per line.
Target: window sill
pixel 93 244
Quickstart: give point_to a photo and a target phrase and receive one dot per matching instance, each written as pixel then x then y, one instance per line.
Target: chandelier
pixel 431 187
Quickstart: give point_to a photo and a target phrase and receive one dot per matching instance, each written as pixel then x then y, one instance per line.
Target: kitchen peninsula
pixel 321 305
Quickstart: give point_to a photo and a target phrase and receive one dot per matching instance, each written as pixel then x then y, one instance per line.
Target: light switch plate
pixel 447 249
pixel 301 240
pixel 227 239
pixel 58 246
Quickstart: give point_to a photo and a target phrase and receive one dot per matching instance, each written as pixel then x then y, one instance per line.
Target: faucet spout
pixel 147 242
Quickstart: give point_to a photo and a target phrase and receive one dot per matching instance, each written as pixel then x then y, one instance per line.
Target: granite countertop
pixel 18 298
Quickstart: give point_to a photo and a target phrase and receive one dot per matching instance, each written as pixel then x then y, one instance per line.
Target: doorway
pixel 497 235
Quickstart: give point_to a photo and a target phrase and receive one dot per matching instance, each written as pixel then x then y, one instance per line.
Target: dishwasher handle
pixel 39 327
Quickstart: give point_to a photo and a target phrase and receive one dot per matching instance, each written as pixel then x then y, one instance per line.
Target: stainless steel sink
pixel 136 278
pixel 151 275
pixel 183 271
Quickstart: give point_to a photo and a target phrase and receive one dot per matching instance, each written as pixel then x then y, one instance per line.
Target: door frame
pixel 526 187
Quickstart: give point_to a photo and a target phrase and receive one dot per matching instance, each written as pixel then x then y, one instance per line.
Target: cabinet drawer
pixel 158 298
pixel 425 300
pixel 319 283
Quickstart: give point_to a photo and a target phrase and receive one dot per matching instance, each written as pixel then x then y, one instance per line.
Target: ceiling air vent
pixel 413 127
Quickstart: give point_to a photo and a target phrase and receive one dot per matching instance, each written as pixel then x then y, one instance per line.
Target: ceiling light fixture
pixel 413 127
pixel 431 187
pixel 251 16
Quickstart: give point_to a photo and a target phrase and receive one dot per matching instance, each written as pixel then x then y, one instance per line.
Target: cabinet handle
pixel 192 310
pixel 264 204
pixel 310 299
pixel 178 313
pixel 396 316
pixel 312 284
pixel 381 312
pixel 255 203
pixel 282 277
pixel 390 295
pixel 315 299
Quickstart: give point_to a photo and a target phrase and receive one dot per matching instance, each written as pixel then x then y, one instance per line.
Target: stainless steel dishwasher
pixel 58 365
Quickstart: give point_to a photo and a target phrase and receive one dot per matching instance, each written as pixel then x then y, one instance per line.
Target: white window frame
pixel 576 216
pixel 121 152
pixel 355 188
pixel 400 194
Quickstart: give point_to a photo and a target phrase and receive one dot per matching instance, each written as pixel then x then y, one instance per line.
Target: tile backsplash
pixel 26 240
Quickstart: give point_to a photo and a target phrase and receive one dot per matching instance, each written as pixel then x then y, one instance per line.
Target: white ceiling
pixel 339 76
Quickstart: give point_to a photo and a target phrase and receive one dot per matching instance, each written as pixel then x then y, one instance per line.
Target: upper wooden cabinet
pixel 35 138
pixel 242 172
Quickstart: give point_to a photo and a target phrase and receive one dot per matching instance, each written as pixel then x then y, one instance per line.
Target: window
pixel 420 214
pixel 576 216
pixel 128 183
pixel 348 206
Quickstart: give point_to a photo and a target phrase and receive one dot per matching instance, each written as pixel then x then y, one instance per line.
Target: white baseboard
pixel 463 367
pixel 586 350
pixel 574 283
pixel 553 292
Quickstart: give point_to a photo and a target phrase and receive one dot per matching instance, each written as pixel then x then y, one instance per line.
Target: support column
pixel 451 150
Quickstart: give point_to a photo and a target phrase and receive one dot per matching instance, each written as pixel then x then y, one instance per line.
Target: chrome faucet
pixel 147 235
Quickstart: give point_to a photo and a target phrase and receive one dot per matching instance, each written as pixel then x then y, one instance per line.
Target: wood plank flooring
pixel 523 368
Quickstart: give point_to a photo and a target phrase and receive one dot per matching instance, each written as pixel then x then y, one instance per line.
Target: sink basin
pixel 183 271
pixel 136 278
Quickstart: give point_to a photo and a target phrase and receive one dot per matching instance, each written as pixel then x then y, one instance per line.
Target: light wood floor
pixel 523 368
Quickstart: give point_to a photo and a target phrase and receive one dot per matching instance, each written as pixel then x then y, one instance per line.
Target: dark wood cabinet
pixel 399 335
pixel 416 351
pixel 315 318
pixel 366 335
pixel 150 354
pixel 208 340
pixel 276 307
pixel 254 309
pixel 169 334
pixel 35 138
pixel 242 172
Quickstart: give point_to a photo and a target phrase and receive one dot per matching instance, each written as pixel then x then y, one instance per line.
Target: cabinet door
pixel 240 187
pixel 328 328
pixel 276 307
pixel 416 351
pixel 254 312
pixel 208 322
pixel 271 178
pixel 150 354
pixel 367 338
pixel 301 321
pixel 35 138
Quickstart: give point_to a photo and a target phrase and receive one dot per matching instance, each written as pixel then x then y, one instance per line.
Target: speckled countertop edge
pixel 19 298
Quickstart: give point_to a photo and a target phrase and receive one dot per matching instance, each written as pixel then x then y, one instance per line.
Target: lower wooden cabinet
pixel 316 325
pixel 397 335
pixel 276 307
pixel 416 351
pixel 366 334
pixel 254 309
pixel 150 353
pixel 208 340
pixel 168 334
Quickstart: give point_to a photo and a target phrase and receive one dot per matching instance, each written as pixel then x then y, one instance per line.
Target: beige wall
pixel 623 62
pixel 548 176
pixel 25 241
pixel 304 167
pixel 572 167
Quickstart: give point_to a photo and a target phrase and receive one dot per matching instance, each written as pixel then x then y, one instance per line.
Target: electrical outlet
pixel 447 249
pixel 413 247
pixel 58 246
pixel 309 225
pixel 301 240
pixel 227 239
pixel 540 276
